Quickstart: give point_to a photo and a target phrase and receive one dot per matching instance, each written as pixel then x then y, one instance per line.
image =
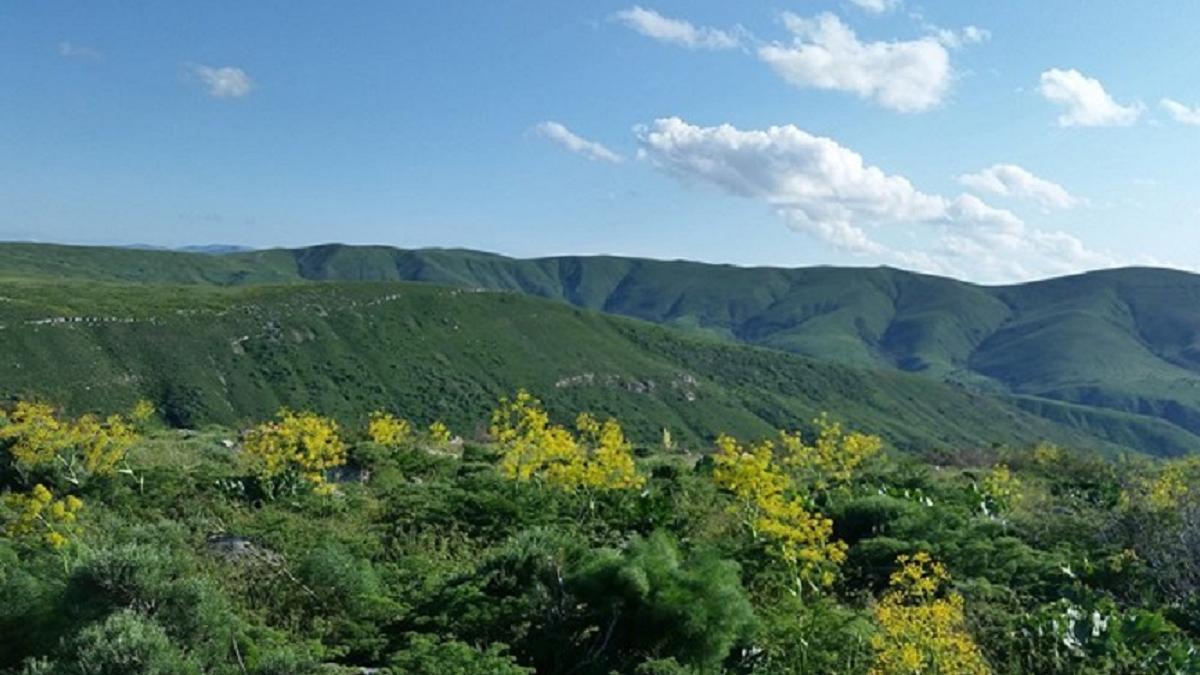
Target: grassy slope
pixel 231 354
pixel 1121 346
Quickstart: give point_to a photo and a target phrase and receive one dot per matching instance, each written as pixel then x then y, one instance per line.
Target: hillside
pixel 1113 352
pixel 225 355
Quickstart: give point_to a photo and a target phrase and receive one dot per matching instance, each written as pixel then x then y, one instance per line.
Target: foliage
pixel 434 561
pixel 652 600
pixel 427 655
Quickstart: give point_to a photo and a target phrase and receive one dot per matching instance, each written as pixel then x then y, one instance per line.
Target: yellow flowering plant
pixel 300 445
pixel 1163 487
pixel 142 413
pixel 599 458
pixel 40 517
pixel 776 513
pixel 832 459
pixel 1001 490
pixel 439 433
pixel 388 430
pixel 38 440
pixel 921 628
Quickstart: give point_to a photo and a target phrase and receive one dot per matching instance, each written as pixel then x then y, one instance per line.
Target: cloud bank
pixel 828 191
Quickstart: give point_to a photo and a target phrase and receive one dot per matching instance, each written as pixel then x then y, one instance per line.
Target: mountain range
pixel 1109 357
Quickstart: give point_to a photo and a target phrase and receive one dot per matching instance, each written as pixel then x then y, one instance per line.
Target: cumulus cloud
pixel 71 50
pixel 675 31
pixel 566 138
pixel 1086 102
pixel 1010 180
pixel 226 82
pixel 828 191
pixel 1180 112
pixel 910 76
pixel 876 6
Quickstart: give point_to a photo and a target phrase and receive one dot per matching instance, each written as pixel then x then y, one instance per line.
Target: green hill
pixel 234 354
pixel 1116 351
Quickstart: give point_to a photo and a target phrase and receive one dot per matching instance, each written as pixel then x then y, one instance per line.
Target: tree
pixel 652 600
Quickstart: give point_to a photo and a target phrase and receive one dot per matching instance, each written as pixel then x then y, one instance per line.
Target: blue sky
pixel 990 141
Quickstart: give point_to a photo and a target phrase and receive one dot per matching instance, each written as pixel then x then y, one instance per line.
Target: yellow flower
pixel 600 458
pixel 920 632
pixel 796 536
pixel 302 442
pixel 38 515
pixel 439 433
pixel 387 429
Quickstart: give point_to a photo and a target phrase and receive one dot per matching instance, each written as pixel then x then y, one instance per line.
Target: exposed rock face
pixel 235 548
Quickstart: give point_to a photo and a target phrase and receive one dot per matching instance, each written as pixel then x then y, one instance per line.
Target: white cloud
pixel 71 50
pixel 581 146
pixel 908 76
pixel 876 6
pixel 226 82
pixel 1010 180
pixel 1087 103
pixel 828 191
pixel 1180 112
pixel 676 31
pixel 956 39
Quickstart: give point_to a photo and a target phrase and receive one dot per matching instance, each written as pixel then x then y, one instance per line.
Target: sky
pixel 989 141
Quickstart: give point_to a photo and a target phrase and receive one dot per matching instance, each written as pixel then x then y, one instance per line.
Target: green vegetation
pixel 796 553
pixel 1113 354
pixel 235 355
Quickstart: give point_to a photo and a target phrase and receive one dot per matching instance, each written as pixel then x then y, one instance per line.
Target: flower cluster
pixel 922 630
pixel 600 458
pixel 767 499
pixel 439 433
pixel 388 430
pixel 81 448
pixel 832 459
pixel 302 443
pixel 1001 490
pixel 38 515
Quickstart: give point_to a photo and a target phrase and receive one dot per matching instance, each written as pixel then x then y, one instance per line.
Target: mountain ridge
pixel 1124 340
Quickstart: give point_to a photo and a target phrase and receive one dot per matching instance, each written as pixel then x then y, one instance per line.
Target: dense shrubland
pixel 556 546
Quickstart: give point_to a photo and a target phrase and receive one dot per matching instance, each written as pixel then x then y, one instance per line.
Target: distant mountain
pixel 1114 353
pixel 214 249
